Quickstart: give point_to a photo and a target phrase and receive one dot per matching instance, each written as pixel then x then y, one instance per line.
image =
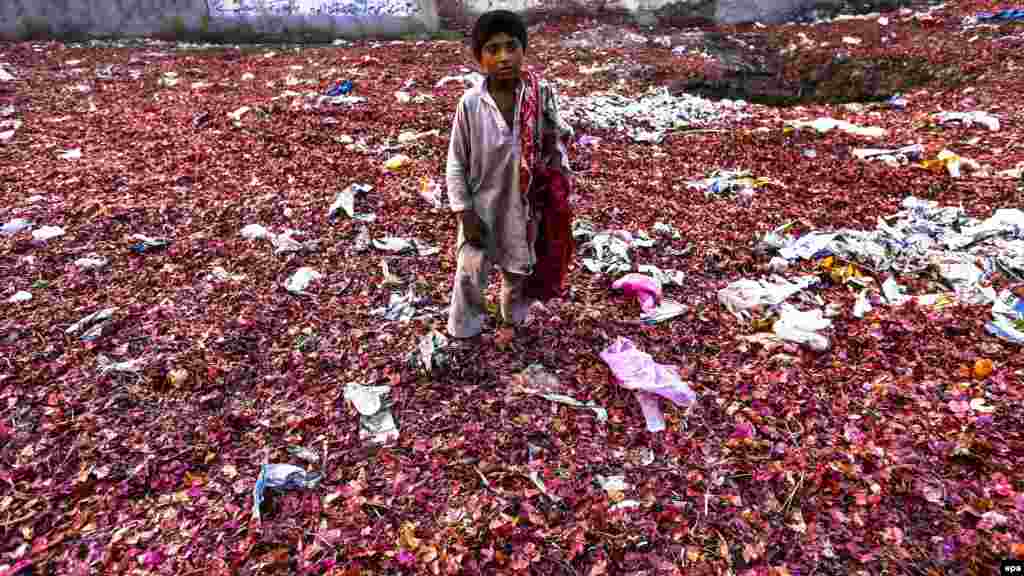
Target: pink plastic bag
pixel 639 372
pixel 646 289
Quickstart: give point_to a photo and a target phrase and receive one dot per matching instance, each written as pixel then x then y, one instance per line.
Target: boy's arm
pixel 459 195
pixel 458 159
pixel 558 135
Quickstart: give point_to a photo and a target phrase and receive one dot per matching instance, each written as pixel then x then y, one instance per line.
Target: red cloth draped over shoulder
pixel 548 190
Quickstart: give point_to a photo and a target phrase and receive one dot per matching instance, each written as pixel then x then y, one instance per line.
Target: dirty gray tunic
pixel 482 173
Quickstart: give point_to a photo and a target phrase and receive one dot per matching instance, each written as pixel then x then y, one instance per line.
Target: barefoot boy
pixel 506 128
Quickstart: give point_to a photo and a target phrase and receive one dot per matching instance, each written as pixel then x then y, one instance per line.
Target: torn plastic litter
pixel 280 477
pixel 1007 318
pixel 863 304
pixel 72 154
pixel 255 232
pixel 969 119
pixel 468 80
pixel 301 279
pixel 345 201
pixel 824 125
pixel 91 262
pixel 376 423
pixel 433 354
pixel 610 249
pixel 236 116
pixel 612 484
pixel 340 88
pixel 47 233
pixel 397 162
pixel 304 454
pixel 743 296
pixel 20 296
pixel 909 241
pixel 667 310
pixel 284 243
pixel 398 245
pixel 219 274
pixel 404 307
pixel 648 290
pixel 146 244
pixel 361 243
pixel 667 230
pixel 432 192
pixel 346 100
pixel 652 115
pixel 539 381
pixel 95 320
pixel 728 182
pixel 667 277
pixel 14 226
pixel 637 371
pixel 802 327
pixel 7 130
pixel 106 365
pixel 894 157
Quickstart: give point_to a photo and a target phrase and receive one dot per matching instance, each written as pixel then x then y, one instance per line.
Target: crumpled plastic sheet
pixel 1007 318
pixel 20 296
pixel 824 125
pixel 637 371
pixel 969 119
pixel 651 116
pixel 15 226
pixel 399 245
pixel 922 236
pixel 728 182
pixel 744 295
pixel 376 422
pixel 467 78
pixel 345 202
pixel 280 477
pixel 433 354
pixel 405 307
pixel 301 279
pixel 106 365
pixel 894 157
pixel 97 318
pixel 610 249
pixel 667 277
pixel 802 327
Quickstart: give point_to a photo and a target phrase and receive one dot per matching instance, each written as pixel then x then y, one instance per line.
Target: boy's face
pixel 501 57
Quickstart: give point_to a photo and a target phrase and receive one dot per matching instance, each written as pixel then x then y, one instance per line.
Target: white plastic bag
pixel 802 327
pixel 301 280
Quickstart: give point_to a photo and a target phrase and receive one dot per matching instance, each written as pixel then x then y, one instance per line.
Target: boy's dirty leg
pixel 467 311
pixel 514 305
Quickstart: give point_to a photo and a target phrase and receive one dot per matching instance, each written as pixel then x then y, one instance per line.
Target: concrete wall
pixel 338 18
pixel 650 11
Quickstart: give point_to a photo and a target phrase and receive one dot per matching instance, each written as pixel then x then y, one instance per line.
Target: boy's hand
pixel 472 227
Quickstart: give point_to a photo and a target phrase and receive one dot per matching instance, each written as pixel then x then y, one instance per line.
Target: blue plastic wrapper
pixel 280 477
pixel 898 102
pixel 1001 16
pixel 146 244
pixel 340 89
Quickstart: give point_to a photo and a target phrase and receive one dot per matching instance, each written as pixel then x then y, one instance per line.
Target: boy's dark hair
pixel 496 22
